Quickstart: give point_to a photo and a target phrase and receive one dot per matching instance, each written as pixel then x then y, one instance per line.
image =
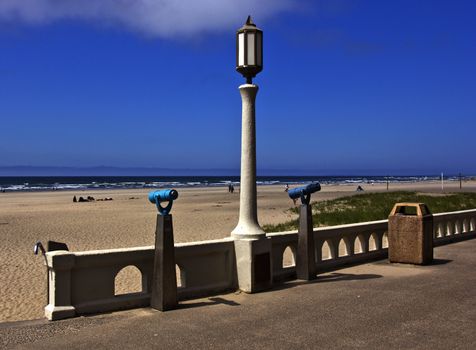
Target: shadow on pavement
pixel 330 277
pixel 440 262
pixel 212 301
pixel 335 277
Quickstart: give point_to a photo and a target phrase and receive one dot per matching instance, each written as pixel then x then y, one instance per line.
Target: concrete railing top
pixel 469 211
pixel 282 233
pixel 108 251
pixel 136 249
pixel 335 227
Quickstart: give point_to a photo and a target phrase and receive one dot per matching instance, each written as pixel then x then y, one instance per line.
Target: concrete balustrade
pixel 453 226
pixel 335 246
pixel 84 282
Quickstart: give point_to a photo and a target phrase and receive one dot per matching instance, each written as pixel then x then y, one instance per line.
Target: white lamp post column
pixel 252 247
pixel 248 226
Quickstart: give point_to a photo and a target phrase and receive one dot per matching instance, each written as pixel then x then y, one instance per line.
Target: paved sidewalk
pixel 371 306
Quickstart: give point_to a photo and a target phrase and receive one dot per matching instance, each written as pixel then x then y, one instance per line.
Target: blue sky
pixel 370 87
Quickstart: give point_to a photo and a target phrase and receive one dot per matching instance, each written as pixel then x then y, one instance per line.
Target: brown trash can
pixel 410 234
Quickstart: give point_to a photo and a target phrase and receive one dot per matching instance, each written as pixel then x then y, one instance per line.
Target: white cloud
pixel 163 18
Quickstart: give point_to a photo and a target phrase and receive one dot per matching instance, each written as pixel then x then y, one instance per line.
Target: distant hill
pixel 145 171
pixel 109 171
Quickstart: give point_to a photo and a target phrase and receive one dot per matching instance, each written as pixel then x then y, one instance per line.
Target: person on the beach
pixel 286 188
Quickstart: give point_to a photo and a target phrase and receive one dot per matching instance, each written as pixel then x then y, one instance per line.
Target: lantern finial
pixel 249 21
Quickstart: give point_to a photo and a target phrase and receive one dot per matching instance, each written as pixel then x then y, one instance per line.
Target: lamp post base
pixel 254 264
pixel 248 231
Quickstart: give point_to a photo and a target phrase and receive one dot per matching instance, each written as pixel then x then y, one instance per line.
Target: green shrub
pixel 375 206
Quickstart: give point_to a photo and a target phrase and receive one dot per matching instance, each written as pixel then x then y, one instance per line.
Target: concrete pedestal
pixel 60 264
pixel 254 264
pixel 54 313
pixel 164 280
pixel 410 236
pixel 306 255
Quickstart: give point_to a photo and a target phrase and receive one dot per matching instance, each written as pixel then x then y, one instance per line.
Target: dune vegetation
pixel 375 206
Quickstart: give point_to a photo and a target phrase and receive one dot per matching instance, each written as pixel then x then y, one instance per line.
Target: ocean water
pixel 44 183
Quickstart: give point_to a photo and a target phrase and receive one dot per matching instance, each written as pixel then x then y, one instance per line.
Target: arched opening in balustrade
pixel 373 242
pixel 327 250
pixel 180 275
pixel 436 231
pixel 465 226
pixel 439 230
pixel 128 280
pixel 359 244
pixel 385 240
pixel 449 229
pixel 457 229
pixel 288 257
pixel 343 247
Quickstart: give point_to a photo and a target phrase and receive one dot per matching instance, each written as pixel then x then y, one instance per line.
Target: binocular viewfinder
pixel 157 197
pixel 304 192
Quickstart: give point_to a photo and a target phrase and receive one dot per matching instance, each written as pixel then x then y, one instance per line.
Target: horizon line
pixel 139 171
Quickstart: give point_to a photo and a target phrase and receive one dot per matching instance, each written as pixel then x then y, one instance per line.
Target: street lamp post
pixel 249 62
pixel 252 247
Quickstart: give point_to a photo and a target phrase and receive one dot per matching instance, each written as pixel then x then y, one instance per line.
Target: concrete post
pixel 59 266
pixel 306 259
pixel 253 249
pixel 164 281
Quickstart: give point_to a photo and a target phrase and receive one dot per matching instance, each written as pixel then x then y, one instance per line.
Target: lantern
pixel 249 50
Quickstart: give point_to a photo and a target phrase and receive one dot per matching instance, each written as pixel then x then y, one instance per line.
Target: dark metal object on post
pixel 51 246
pixel 164 280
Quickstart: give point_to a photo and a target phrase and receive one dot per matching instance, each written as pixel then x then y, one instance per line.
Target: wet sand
pixel 126 221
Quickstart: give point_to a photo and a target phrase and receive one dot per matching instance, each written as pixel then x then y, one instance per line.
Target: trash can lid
pixel 421 209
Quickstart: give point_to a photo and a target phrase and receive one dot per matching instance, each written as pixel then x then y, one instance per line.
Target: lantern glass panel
pixel 259 49
pixel 251 61
pixel 241 49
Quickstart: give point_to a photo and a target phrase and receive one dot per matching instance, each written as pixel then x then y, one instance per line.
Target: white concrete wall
pixel 83 282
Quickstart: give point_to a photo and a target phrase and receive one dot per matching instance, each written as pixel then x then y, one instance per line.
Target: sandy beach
pixel 126 221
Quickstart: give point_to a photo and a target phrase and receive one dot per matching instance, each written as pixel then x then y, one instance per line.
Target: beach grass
pixel 375 206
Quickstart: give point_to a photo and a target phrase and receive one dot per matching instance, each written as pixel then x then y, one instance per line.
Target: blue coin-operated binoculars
pixel 304 192
pixel 306 268
pixel 164 281
pixel 157 197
